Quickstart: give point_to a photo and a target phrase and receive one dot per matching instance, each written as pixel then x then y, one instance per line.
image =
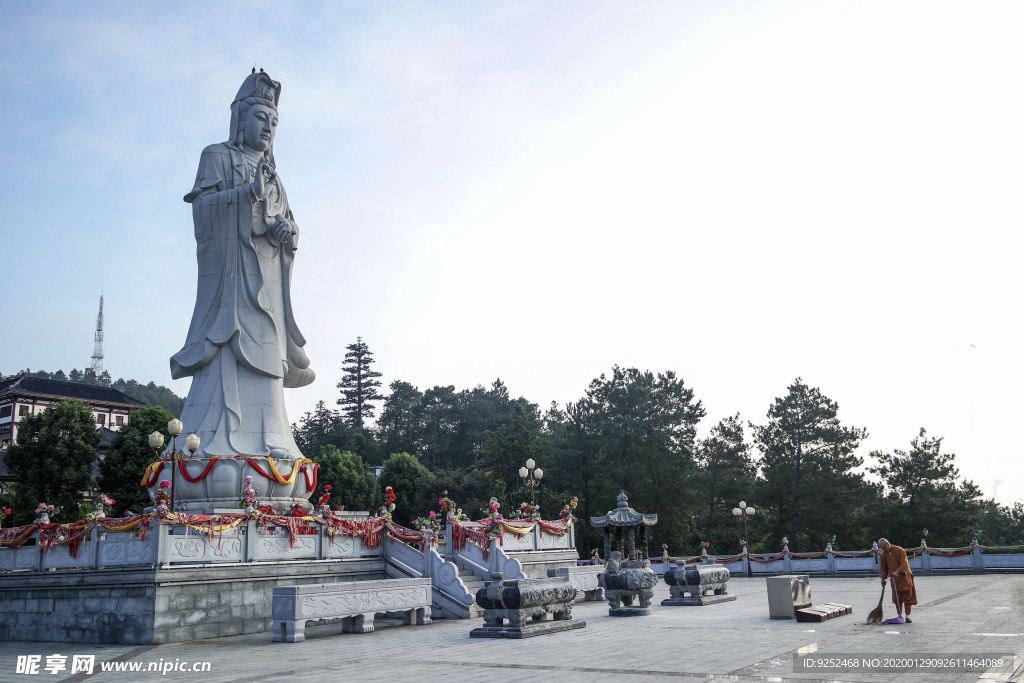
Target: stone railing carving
pixel 176 545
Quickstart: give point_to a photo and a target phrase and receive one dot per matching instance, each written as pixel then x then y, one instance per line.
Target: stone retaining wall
pixel 152 606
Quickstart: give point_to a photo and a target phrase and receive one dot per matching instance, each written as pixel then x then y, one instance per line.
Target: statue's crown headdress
pixel 260 86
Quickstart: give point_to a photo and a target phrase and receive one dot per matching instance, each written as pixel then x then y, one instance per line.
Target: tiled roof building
pixel 25 395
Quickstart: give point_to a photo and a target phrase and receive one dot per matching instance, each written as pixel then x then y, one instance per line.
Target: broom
pixel 875 615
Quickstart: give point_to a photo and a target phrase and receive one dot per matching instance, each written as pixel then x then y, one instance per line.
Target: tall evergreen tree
pixel 440 413
pixel 359 385
pixel 400 428
pixel 646 424
pixel 808 466
pixel 580 465
pixel 324 427
pixel 726 476
pixel 923 491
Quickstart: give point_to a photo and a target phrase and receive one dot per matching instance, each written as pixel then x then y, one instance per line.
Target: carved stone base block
pixel 539 628
pixel 697 601
pixel 629 611
pixel 520 608
pixel 584 580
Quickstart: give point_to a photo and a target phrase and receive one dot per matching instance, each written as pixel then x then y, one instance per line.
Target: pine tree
pixel 809 467
pixel 359 385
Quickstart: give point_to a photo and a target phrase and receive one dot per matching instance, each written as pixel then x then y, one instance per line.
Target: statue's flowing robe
pixel 243 346
pixel 894 559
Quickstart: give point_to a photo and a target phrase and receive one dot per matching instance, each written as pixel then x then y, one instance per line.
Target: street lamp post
pixel 156 442
pixel 744 512
pixel 531 477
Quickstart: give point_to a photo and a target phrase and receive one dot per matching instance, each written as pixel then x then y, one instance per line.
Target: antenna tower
pixel 97 350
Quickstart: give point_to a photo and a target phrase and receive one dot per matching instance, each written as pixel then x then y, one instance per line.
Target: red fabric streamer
pixel 558 527
pixel 310 485
pixel 460 534
pixel 954 553
pixel 189 477
pixel 15 537
pixel 259 470
pixel 768 559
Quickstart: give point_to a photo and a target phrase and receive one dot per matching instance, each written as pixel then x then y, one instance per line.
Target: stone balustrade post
pixel 926 559
pixel 492 555
pixel 163 543
pixel 428 545
pixel 40 555
pixel 326 542
pixel 830 562
pixel 977 557
pixel 787 561
pixel 94 548
pixel 249 552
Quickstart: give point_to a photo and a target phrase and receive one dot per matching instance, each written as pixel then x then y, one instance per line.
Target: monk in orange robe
pixel 893 563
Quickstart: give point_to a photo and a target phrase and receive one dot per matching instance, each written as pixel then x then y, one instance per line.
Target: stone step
pixel 822 612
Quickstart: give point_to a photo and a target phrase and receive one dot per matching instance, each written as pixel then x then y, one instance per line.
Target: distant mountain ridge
pixel 151 394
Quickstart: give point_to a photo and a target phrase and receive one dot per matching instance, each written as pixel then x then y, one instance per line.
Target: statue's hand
pixel 264 171
pixel 284 229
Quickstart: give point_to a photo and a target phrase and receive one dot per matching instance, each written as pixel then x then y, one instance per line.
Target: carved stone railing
pixel 975 557
pixel 449 589
pixel 175 545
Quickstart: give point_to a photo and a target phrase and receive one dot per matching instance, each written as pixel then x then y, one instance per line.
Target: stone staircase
pixel 473 581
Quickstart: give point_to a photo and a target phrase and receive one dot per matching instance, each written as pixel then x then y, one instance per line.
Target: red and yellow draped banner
pixel 305 465
pixel 558 527
pixel 152 474
pixel 206 524
pixel 16 536
pixel 517 527
pixel 406 535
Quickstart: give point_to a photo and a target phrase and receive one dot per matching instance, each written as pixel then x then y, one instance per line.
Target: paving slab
pixel 959 617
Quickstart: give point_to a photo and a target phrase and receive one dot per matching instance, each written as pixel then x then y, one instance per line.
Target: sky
pixel 741 192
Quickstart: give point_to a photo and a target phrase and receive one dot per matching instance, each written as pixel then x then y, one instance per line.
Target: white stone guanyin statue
pixel 243 346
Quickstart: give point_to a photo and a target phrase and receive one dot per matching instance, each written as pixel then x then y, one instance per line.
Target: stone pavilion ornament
pixel 628 575
pixel 243 346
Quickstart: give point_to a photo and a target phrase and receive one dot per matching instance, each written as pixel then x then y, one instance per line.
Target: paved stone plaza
pixel 964 614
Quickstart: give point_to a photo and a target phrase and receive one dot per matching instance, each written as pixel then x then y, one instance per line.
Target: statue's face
pixel 260 127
